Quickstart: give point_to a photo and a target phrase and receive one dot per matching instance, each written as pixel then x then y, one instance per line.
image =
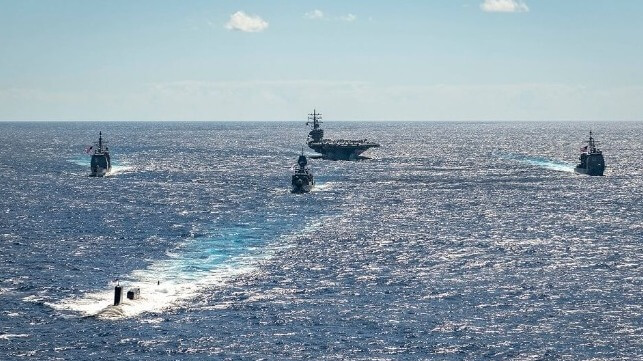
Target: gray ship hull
pixel 302 183
pixel 333 151
pixel 591 164
pixel 590 171
pixel 99 172
pixel 302 189
pixel 100 165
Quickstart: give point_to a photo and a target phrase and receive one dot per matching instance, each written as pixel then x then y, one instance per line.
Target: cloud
pixel 345 100
pixel 247 23
pixel 349 17
pixel 315 14
pixel 504 6
pixel 319 15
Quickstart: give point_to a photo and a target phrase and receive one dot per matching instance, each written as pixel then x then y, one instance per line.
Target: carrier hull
pixel 334 151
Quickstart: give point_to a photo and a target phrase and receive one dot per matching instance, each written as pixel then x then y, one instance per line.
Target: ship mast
pixel 592 145
pixel 315 118
pixel 316 134
pixel 100 141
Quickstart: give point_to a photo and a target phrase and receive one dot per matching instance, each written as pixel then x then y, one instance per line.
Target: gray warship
pixel 341 149
pixel 302 180
pixel 101 163
pixel 591 159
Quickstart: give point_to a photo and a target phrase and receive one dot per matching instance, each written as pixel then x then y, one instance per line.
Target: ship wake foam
pixel 538 161
pixel 117 167
pixel 323 187
pixel 198 264
pixel 83 161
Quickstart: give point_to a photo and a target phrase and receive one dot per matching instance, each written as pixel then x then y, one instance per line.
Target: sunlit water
pixel 454 241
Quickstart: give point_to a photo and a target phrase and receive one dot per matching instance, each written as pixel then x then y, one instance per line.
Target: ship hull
pixel 302 183
pixel 302 189
pixel 335 152
pixel 593 165
pixel 99 172
pixel 590 171
pixel 100 165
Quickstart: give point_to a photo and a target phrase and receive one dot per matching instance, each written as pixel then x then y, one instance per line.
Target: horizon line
pixel 303 120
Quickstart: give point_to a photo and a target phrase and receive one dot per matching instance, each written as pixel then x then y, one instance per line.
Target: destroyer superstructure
pixel 340 149
pixel 101 163
pixel 591 159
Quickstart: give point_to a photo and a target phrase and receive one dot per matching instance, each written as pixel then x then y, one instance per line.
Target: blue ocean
pixel 454 241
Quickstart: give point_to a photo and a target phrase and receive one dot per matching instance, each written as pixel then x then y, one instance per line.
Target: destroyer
pixel 591 159
pixel 341 149
pixel 100 163
pixel 302 180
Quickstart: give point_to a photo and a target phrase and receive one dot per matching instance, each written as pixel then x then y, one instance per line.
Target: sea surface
pixel 454 241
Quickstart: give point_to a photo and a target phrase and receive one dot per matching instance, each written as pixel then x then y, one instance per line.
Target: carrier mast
pixel 317 134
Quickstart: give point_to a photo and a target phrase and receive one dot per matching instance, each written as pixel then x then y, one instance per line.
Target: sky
pixel 352 60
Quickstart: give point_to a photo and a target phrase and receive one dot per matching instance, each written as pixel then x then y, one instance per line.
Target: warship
pixel 341 149
pixel 100 163
pixel 302 180
pixel 591 159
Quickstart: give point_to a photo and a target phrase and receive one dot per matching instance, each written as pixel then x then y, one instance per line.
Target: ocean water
pixel 455 241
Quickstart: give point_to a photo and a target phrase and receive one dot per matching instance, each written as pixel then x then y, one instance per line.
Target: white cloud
pixel 247 23
pixel 349 17
pixel 346 100
pixel 504 6
pixel 315 14
pixel 319 15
